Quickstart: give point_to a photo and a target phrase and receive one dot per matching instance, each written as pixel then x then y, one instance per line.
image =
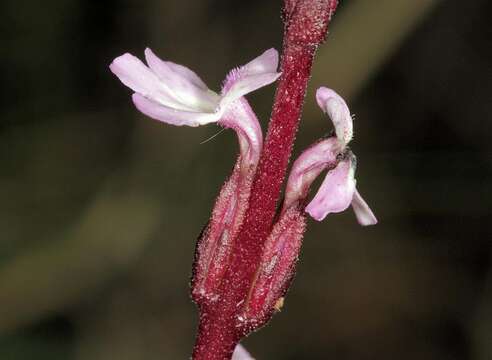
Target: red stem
pixel 220 329
pixel 216 339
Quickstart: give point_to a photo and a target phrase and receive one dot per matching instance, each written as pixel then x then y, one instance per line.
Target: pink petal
pixel 266 62
pixel 157 64
pixel 134 74
pixel 335 193
pixel 246 85
pixel 336 108
pixel 363 213
pixel 241 118
pixel 240 353
pixel 257 73
pixel 183 83
pixel 138 77
pixel 307 167
pixel 172 116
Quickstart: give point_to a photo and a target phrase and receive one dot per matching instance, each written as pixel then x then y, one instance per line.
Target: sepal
pixel 276 269
pixel 214 245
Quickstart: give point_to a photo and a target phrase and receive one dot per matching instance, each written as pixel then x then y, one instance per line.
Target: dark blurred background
pixel 100 206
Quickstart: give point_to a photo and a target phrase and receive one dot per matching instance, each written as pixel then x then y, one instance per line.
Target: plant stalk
pixel 221 324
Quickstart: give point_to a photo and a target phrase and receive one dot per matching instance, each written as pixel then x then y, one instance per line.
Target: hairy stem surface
pixel 221 323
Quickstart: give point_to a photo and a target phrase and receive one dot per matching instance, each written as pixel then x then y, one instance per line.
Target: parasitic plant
pixel 246 255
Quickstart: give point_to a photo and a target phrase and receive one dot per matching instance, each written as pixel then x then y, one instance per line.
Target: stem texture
pixel 221 322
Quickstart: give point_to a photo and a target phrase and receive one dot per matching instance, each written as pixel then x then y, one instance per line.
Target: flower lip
pixel 307 167
pixel 336 192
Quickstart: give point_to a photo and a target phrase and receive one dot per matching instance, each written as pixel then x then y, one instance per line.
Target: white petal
pixel 336 108
pixel 186 73
pixel 138 77
pixel 134 74
pixel 363 212
pixel 184 84
pixel 170 115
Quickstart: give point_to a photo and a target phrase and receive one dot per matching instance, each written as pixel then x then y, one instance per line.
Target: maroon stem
pixel 220 329
pixel 216 339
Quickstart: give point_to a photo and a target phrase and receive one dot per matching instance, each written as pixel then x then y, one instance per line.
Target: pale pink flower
pixel 338 190
pixel 174 94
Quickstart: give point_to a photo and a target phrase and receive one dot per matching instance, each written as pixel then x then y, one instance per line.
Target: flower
pixel 338 190
pixel 174 94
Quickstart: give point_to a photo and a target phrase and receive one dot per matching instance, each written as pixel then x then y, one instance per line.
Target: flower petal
pixel 307 167
pixel 133 73
pixel 246 85
pixel 138 77
pixel 266 62
pixel 336 192
pixel 241 118
pixel 259 72
pixel 363 212
pixel 240 353
pixel 183 83
pixel 336 108
pixel 185 73
pixel 172 116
